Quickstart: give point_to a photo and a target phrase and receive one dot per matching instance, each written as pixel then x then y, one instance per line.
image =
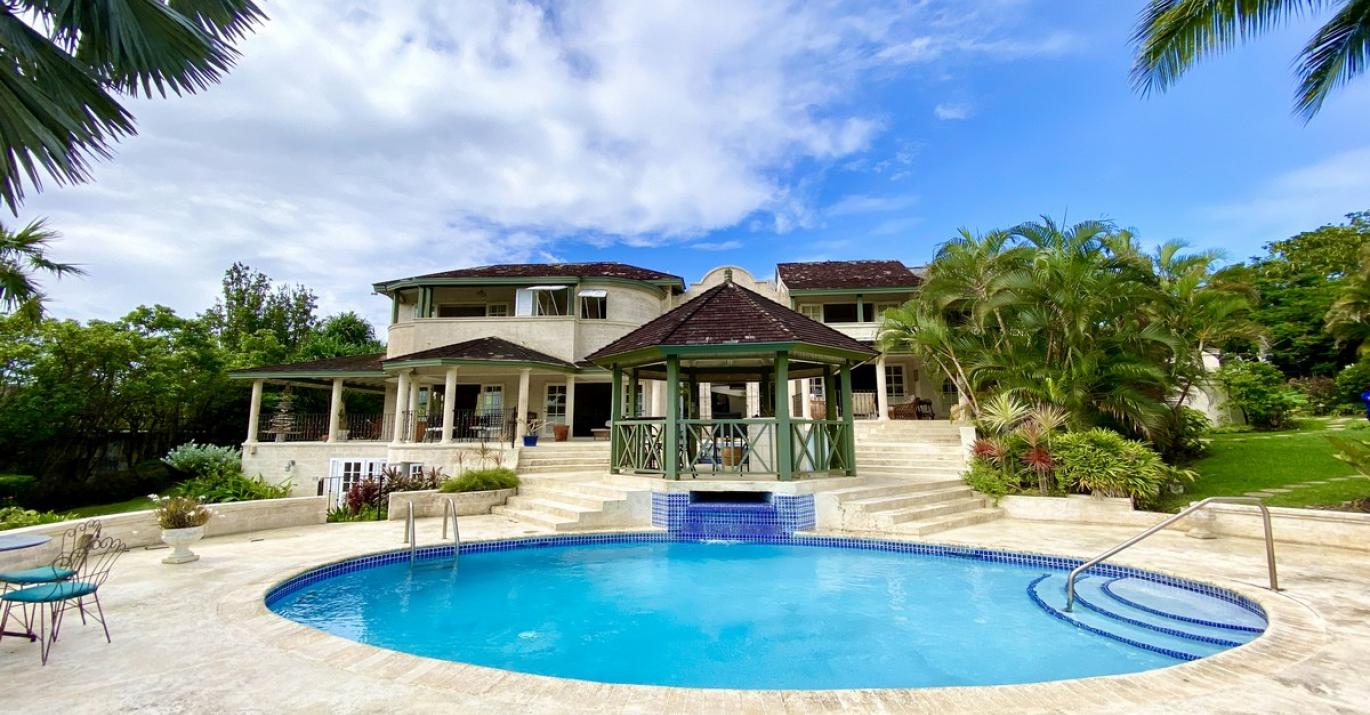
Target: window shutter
pixel 523 302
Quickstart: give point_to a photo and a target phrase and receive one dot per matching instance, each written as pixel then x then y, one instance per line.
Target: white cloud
pixel 1297 200
pixel 353 144
pixel 856 204
pixel 716 245
pixel 951 111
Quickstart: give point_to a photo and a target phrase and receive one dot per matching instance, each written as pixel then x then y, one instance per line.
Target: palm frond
pixel 1337 53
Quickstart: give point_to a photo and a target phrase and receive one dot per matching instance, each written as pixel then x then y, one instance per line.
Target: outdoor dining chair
pixel 48 602
pixel 76 543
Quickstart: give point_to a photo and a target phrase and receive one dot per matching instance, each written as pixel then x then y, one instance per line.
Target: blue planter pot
pixel 530 440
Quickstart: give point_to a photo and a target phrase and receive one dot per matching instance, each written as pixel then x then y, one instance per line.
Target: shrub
pixel 366 493
pixel 1258 390
pixel 1184 439
pixel 14 487
pixel 1351 382
pixel 368 512
pixel 179 512
pixel 231 485
pixel 1104 462
pixel 1320 394
pixel 198 460
pixel 991 481
pixel 481 480
pixel 14 517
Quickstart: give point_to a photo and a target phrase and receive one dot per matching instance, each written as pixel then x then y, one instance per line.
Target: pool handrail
pixel 1265 517
pixel 410 535
pixel 451 506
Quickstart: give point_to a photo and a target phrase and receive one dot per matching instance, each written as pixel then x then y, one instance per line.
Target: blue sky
pixel 357 142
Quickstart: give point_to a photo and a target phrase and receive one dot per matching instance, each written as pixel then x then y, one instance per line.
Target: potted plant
pixel 183 523
pixel 530 432
pixel 561 433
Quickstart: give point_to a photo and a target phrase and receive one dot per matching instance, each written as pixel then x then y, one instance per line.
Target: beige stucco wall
pixel 272 460
pixel 140 528
pixel 741 277
pixel 430 502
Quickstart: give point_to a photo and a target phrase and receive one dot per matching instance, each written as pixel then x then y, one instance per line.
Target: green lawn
pixel 119 507
pixel 1254 461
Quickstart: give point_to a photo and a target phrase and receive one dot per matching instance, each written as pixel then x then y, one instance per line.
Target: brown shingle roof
pixel 494 349
pixel 369 362
pixel 603 269
pixel 846 274
pixel 729 314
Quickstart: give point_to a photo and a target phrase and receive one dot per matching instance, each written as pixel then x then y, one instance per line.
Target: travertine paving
pixel 196 638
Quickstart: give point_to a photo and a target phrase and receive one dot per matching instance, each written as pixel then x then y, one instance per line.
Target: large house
pixel 486 355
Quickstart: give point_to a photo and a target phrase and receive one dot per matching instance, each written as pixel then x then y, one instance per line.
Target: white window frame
pixel 592 294
pixel 496 310
pixel 547 391
pixel 895 374
pixel 812 311
pixel 347 478
pixel 481 406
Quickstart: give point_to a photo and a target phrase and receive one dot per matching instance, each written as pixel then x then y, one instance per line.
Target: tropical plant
pixel 221 485
pixel 481 480
pixel 66 61
pixel 1258 389
pixel 1104 462
pixel 1348 320
pixel 23 253
pixel 14 517
pixel 1355 452
pixel 1172 35
pixel 180 512
pixel 1353 381
pixel 197 460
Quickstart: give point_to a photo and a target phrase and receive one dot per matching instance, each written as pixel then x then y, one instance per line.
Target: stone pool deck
pixel 196 638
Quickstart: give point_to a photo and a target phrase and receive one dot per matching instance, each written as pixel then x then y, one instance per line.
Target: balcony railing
pixel 480 425
pixel 743 447
pixel 467 426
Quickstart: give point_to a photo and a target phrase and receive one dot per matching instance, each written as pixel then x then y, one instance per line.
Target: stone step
pixel 564 461
pixel 547 505
pixel 909 474
pixel 933 462
pixel 944 523
pixel 563 468
pixel 586 494
pixel 925 512
pixel 535 518
pixel 891 488
pixel 921 497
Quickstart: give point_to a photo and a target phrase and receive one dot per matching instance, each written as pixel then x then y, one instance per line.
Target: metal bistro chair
pixel 76 543
pixel 51 600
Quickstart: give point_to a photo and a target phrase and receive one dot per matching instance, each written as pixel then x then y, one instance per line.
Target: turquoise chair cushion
pixel 50 592
pixel 38 574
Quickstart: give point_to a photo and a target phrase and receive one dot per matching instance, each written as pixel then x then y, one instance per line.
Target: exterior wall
pixel 858 330
pixel 303 463
pixel 565 337
pixel 140 528
pixel 742 277
pixel 430 502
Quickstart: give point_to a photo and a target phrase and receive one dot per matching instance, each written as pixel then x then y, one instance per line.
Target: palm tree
pixel 1349 318
pixel 23 253
pixel 1172 35
pixel 64 62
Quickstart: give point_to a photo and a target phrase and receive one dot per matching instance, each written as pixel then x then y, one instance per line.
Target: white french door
pixel 346 472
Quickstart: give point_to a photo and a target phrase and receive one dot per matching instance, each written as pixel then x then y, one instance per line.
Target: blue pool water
pixel 756 616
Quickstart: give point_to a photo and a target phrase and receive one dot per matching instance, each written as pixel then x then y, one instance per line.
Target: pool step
pixel 1181 632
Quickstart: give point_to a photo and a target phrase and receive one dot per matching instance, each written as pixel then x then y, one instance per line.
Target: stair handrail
pixel 1265 517
pixel 451 506
pixel 410 535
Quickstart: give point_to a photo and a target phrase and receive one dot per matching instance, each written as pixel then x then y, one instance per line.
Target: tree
pixel 1172 35
pixel 1348 320
pixel 22 254
pixel 338 335
pixel 66 61
pixel 253 314
pixel 1296 283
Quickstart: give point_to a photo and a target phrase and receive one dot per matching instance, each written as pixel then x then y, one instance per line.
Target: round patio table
pixel 14 542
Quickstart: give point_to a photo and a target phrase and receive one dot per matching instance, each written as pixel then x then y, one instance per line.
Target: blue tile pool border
pixel 1055 563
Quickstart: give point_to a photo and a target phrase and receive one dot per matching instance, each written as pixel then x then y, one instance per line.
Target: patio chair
pixel 50 601
pixel 76 543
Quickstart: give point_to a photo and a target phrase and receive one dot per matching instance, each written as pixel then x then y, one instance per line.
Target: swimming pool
pixel 799 613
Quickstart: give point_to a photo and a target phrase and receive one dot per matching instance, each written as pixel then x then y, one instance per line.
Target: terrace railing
pixel 742 447
pixel 313 427
pixel 480 425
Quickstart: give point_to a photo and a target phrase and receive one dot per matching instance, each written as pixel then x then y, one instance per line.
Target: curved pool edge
pixel 1294 633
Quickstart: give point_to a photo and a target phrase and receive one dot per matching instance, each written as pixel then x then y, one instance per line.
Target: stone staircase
pixel 563 457
pixel 913 485
pixel 902 506
pixel 563 486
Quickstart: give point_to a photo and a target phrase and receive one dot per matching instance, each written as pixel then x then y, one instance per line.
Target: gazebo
pixel 730 334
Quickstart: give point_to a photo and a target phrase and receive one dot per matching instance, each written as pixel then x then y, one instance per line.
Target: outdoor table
pixel 14 542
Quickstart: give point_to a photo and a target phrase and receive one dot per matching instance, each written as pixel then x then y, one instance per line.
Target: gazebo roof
pixel 730 317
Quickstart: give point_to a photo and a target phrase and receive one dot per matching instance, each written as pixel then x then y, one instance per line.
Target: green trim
pixel 279 374
pixel 671 438
pixel 615 417
pixel 849 291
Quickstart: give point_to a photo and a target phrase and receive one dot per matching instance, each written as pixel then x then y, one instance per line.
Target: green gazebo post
pixel 616 445
pixel 848 428
pixel 671 430
pixel 784 446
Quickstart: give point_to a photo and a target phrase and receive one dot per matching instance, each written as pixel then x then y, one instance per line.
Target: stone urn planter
pixel 180 540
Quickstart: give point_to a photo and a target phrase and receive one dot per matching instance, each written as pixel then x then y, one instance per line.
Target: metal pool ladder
pixel 410 535
pixel 1265 517
pixel 450 507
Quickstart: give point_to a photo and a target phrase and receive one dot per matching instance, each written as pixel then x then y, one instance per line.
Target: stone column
pixel 413 408
pixel 335 403
pixel 570 406
pixel 401 400
pixel 449 404
pixel 882 398
pixel 521 419
pixel 254 411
